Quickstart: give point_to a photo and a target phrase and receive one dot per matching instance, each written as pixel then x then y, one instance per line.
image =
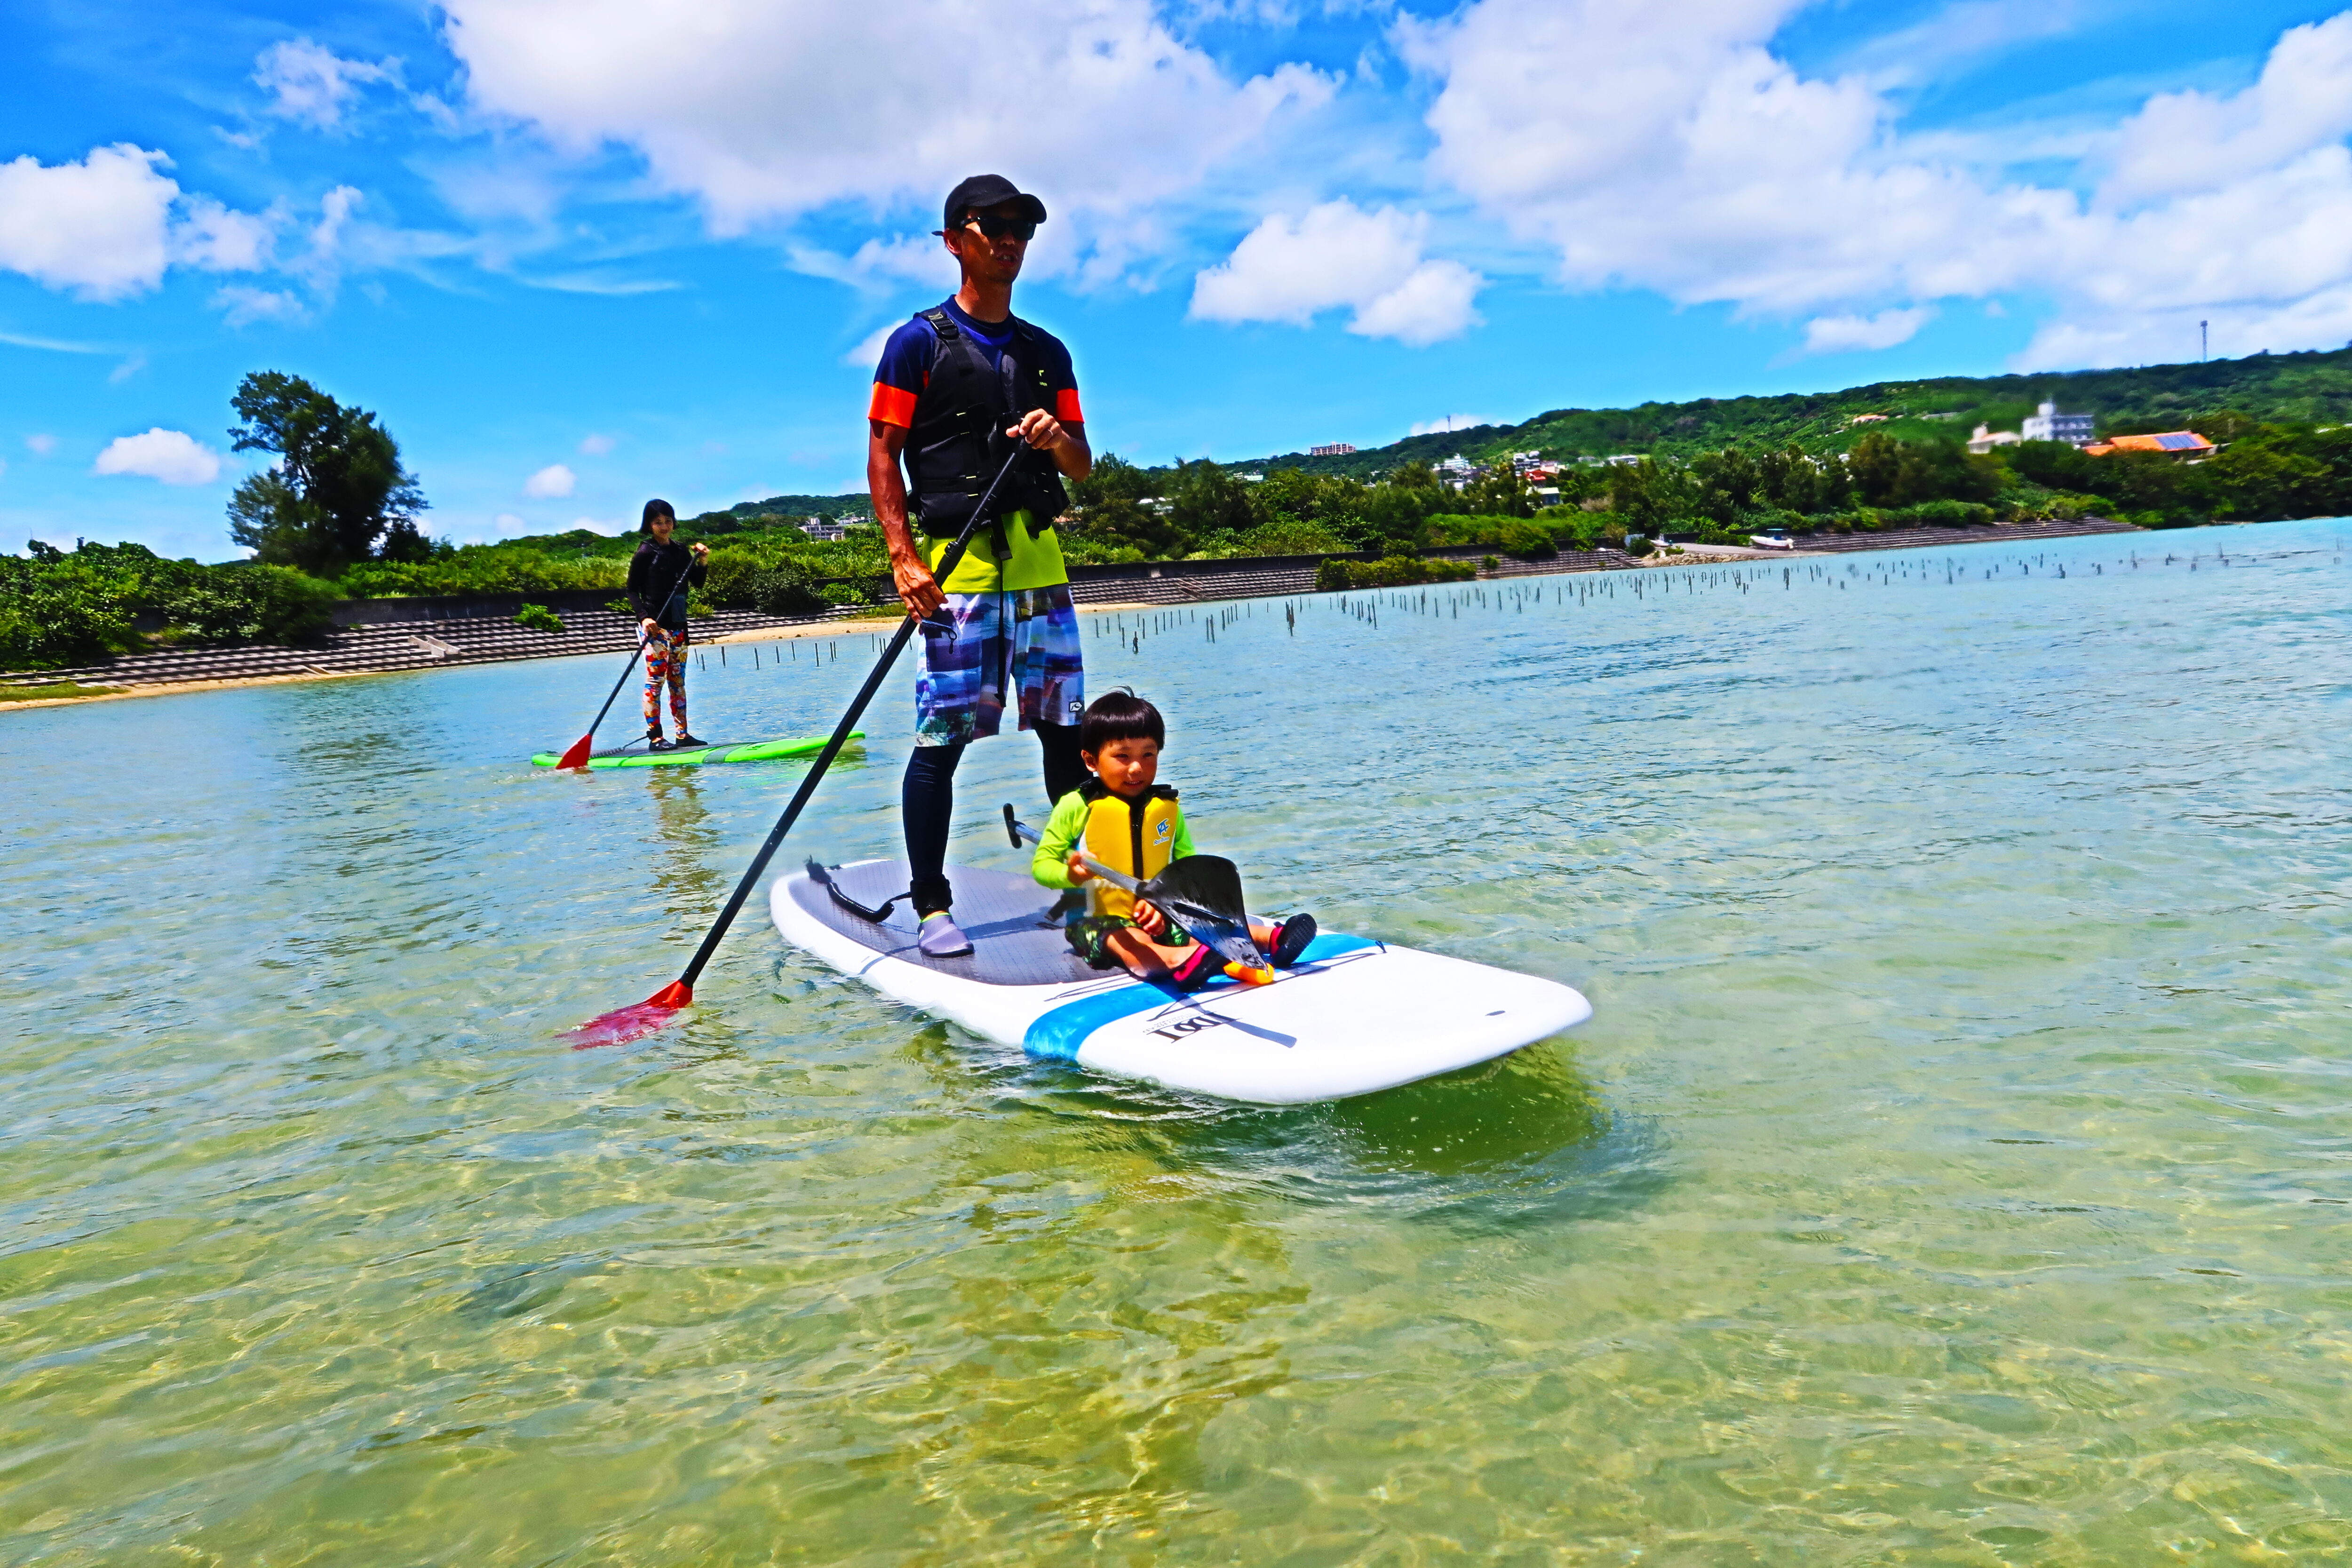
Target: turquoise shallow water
pixel 1954 1172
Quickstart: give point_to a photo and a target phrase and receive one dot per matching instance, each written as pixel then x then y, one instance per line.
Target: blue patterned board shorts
pixel 1024 642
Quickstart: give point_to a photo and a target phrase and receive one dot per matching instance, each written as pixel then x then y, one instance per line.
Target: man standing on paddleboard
pixel 962 387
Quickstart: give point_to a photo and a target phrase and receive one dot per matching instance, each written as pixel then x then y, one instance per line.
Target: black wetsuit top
pixel 656 566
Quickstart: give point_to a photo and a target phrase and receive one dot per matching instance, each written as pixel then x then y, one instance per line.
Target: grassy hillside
pixel 2309 388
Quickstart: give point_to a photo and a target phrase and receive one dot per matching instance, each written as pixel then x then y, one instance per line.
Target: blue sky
pixel 580 252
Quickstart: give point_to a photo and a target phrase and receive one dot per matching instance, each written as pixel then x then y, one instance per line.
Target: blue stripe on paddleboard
pixel 1058 1034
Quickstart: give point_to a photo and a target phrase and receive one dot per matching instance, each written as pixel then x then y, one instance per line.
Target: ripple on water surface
pixel 1954 1169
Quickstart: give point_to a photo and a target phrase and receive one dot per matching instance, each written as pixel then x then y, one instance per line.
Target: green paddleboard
pixel 736 751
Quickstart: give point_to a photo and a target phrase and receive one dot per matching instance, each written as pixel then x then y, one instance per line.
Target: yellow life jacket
pixel 1135 836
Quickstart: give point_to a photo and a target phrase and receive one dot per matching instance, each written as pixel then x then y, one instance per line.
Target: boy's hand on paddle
pixel 1078 868
pixel 1148 920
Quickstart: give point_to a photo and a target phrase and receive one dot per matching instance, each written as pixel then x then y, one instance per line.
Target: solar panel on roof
pixel 2178 440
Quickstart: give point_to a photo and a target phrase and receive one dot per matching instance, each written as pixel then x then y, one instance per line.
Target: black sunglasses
pixel 998 227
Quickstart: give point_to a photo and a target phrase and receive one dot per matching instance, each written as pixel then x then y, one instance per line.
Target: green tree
pixel 1891 472
pixel 1394 517
pixel 1649 495
pixel 1501 493
pixel 61 606
pixel 1724 485
pixel 1789 479
pixel 1114 508
pixel 336 495
pixel 1205 500
pixel 2276 471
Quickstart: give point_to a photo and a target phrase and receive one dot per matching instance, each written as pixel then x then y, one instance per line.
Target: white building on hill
pixel 2049 425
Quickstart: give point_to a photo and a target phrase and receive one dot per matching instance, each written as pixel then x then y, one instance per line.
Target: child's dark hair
pixel 1120 715
pixel 654 508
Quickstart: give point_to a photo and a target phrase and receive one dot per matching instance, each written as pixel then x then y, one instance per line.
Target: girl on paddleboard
pixel 663 567
pixel 1123 818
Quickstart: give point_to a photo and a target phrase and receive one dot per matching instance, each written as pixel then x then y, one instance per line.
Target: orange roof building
pixel 2172 443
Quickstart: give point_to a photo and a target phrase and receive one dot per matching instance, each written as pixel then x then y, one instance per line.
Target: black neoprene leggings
pixel 926 800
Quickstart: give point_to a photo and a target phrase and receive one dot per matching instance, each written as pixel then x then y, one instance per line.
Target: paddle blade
pixel 635 1022
pixel 1203 893
pixel 574 755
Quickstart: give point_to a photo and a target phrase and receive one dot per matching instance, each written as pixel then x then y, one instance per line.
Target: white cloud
pixel 219 240
pixel 609 529
pixel 41 446
pixel 879 267
pixel 1691 161
pixel 1842 334
pixel 335 209
pixel 596 446
pixel 799 107
pixel 99 227
pixel 104 228
pixel 602 286
pixel 1432 303
pixel 53 345
pixel 1291 269
pixel 311 83
pixel 1963 32
pixel 2197 142
pixel 549 482
pixel 868 351
pixel 171 456
pixel 509 524
pixel 240 306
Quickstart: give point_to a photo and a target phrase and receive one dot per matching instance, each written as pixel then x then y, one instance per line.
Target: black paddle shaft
pixel 840 737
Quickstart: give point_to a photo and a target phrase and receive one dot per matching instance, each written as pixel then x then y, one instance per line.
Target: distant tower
pixel 2203 346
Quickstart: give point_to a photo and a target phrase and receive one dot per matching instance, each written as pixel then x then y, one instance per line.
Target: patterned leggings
pixel 665 660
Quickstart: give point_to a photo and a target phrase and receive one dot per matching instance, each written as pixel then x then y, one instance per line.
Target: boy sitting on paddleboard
pixel 1125 819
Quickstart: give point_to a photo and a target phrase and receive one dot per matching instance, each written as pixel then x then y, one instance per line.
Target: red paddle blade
pixel 575 755
pixel 636 1021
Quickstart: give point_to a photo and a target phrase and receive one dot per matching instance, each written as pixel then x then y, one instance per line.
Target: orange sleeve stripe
pixel 1066 406
pixel 892 405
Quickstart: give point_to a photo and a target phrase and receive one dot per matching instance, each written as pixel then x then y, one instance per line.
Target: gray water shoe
pixel 942 938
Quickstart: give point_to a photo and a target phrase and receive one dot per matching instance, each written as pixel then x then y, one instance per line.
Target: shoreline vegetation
pixel 61 694
pixel 336 519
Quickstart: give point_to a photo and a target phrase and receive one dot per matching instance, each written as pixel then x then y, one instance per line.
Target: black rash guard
pixel 656 566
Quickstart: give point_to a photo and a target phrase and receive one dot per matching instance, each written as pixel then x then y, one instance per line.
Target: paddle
pixel 1202 893
pixel 639 1019
pixel 576 754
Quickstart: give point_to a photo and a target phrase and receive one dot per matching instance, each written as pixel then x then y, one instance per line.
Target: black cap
pixel 987 191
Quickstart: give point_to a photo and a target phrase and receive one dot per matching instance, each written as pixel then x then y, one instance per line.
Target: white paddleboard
pixel 1354 1016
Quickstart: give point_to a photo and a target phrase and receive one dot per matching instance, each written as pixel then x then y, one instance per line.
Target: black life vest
pixel 957 441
